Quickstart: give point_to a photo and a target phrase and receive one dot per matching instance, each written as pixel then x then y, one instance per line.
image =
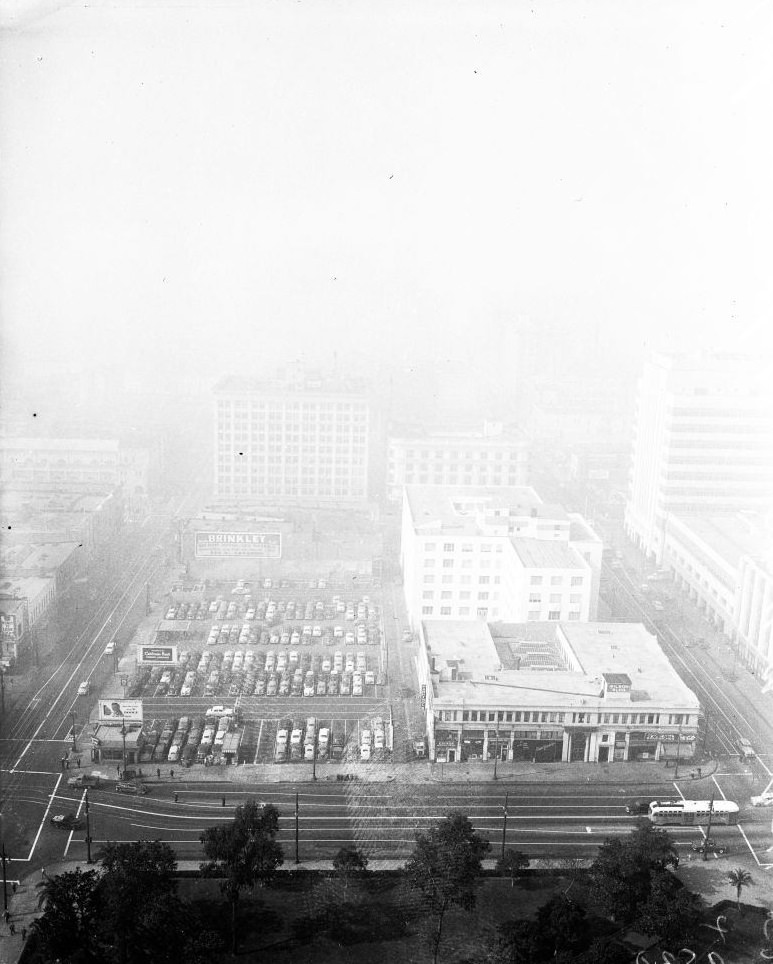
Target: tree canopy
pixel 444 866
pixel 244 853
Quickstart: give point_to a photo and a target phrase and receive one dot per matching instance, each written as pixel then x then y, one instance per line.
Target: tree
pixel 622 871
pixel 518 943
pixel 443 868
pixel 510 863
pixel 349 863
pixel 561 927
pixel 138 892
pixel 244 852
pixel 739 878
pixel 671 912
pixel 71 912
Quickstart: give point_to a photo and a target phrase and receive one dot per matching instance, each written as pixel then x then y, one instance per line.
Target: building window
pixel 484 580
pixel 575 598
pixel 554 614
pixel 482 595
pixel 576 580
pixel 556 580
pixel 574 616
pixel 536 580
pixel 428 563
pixel 533 615
pixel 466 547
pixel 464 610
pixel 445 594
pixel 555 597
pixel 428 595
pixel 430 546
pixel 446 580
pixel 445 610
pixel 448 547
pixel 427 610
pixel 465 716
pixel 448 563
pixel 465 594
pixel 428 579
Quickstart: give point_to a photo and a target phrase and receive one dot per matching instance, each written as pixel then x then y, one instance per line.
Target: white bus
pixel 693 812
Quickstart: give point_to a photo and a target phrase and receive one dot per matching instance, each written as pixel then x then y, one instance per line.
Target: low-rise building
pixel 549 692
pixel 491 456
pixel 496 554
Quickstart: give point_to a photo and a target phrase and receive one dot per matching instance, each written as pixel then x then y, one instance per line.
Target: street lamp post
pixel 496 755
pixel 5 882
pixel 88 828
pixel 678 748
pixel 708 830
pixel 74 744
pixel 123 737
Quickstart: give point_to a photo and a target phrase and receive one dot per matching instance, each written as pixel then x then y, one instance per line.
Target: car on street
pixel 84 688
pixel 708 846
pixel 64 821
pixel 763 799
pixel 110 648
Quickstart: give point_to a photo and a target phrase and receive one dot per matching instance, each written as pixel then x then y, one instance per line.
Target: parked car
pixel 637 806
pixel 763 799
pixel 64 821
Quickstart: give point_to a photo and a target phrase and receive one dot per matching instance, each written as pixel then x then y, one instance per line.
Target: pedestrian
pixel 79 763
pixel 176 797
pixel 67 764
pixel 12 927
pixel 171 774
pixel 6 916
pixel 14 887
pixel 158 773
pixel 119 772
pixel 24 933
pixel 43 873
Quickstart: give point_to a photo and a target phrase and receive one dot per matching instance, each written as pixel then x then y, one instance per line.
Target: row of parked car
pixel 273 610
pixel 299 740
pixel 254 673
pixel 294 635
pixel 186 740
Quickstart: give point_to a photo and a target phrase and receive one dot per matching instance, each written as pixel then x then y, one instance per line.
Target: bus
pixel 693 812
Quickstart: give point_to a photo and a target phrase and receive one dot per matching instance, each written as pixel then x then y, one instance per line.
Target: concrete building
pixel 703 442
pixel 593 692
pixel 495 554
pixel 61 561
pixel 490 456
pixel 23 602
pixel 33 463
pixel 725 566
pixel 295 441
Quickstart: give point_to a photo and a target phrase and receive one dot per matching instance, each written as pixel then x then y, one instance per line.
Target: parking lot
pixel 285 666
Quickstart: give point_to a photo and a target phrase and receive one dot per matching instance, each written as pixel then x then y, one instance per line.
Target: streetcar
pixel 692 812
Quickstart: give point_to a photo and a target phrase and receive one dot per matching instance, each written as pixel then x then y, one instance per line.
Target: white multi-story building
pixel 550 692
pixel 496 554
pixel 703 442
pixel 291 441
pixel 491 457
pixel 725 565
pixel 33 463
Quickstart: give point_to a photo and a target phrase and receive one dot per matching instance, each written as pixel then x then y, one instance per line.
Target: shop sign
pixel 255 545
pixel 669 737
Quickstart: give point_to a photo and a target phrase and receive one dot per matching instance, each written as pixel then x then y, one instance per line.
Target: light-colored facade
pixel 725 565
pixel 703 442
pixel 291 442
pixel 492 457
pixel 549 692
pixel 495 554
pixel 45 462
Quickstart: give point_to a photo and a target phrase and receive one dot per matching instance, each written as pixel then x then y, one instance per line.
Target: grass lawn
pixel 309 920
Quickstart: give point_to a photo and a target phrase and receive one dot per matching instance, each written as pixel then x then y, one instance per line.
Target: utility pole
pixel 2 692
pixel 88 828
pixel 504 825
pixel 496 755
pixel 5 883
pixel 297 858
pixel 708 829
pixel 123 736
pixel 74 744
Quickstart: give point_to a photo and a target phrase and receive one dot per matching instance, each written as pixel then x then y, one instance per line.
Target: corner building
pixel 291 442
pixel 551 692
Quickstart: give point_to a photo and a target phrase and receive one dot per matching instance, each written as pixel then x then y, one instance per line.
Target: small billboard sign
pixel 158 654
pixel 120 711
pixel 255 545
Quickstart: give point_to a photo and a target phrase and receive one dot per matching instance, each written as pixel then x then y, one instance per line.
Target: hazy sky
pixel 228 185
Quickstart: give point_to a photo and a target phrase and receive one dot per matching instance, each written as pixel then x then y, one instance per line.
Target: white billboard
pixel 158 654
pixel 120 711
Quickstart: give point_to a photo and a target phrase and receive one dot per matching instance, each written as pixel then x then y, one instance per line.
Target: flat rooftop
pixel 531 664
pixel 544 554
pixel 461 509
pixel 731 536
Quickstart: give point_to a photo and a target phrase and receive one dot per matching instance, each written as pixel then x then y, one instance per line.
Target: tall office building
pixel 703 442
pixel 302 440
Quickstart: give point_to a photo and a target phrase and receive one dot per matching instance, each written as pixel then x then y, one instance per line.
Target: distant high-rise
pixel 302 440
pixel 703 442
